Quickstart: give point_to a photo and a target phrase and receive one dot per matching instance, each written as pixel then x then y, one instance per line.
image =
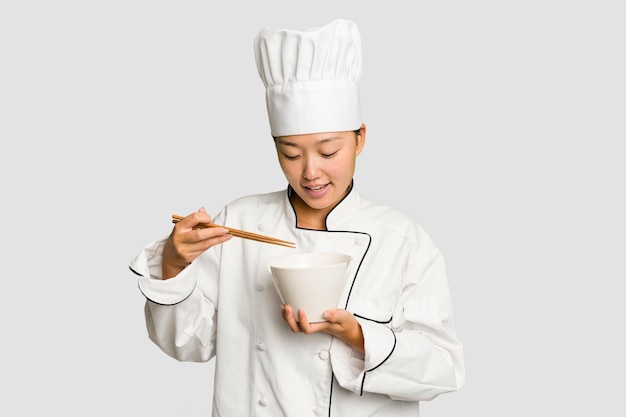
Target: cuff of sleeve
pixel 350 365
pixel 147 264
pixel 347 364
pixel 380 342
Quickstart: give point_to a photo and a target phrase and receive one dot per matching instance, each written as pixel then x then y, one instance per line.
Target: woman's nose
pixel 310 170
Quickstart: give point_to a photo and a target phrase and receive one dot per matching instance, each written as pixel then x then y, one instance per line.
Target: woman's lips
pixel 316 191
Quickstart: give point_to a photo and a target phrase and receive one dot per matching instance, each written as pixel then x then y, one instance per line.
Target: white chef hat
pixel 311 78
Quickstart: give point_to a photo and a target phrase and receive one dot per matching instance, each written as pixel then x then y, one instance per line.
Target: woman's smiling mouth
pixel 316 190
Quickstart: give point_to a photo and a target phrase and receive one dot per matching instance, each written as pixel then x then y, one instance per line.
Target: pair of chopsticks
pixel 241 233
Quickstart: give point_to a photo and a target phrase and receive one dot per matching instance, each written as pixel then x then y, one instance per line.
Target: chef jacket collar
pixel 337 215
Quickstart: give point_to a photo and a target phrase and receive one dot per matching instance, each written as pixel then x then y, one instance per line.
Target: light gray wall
pixel 497 125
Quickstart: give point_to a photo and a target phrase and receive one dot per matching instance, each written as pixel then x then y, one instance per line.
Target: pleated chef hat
pixel 311 78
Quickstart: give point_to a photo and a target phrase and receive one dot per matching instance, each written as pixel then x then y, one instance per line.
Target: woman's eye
pixel 329 155
pixel 290 157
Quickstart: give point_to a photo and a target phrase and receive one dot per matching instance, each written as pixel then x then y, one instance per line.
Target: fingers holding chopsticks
pixel 241 233
pixel 187 241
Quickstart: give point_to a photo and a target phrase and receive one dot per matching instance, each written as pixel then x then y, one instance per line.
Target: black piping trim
pixel 330 400
pixel 356 274
pixel 395 341
pixel 135 272
pixel 290 190
pixel 332 381
pixel 374 321
pixel 173 304
pixel 336 205
pixel 369 243
pixel 363 383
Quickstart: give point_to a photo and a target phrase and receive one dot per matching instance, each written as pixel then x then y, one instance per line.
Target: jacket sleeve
pixel 180 312
pixel 416 355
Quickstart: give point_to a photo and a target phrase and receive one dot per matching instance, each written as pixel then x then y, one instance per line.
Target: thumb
pixel 329 315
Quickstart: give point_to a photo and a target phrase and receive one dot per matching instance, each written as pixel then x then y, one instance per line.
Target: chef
pixel 390 343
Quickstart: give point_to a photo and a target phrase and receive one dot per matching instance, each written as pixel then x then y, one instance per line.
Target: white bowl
pixel 311 281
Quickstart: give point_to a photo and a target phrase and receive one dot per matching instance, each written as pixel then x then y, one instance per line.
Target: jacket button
pixel 259 287
pixel 262 402
pixel 323 355
pixel 260 346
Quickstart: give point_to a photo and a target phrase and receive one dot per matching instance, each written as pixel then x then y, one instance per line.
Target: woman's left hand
pixel 339 323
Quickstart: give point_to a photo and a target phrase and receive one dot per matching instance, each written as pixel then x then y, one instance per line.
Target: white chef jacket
pixel 224 305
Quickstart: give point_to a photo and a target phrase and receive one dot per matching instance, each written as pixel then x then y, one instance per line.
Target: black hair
pixel 357 132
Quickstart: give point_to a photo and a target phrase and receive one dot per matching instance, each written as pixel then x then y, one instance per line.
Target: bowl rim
pixel 345 259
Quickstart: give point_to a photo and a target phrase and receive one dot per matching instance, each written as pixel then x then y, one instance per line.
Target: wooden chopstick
pixel 241 233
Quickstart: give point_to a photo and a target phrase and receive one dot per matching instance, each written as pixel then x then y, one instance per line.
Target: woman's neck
pixel 309 218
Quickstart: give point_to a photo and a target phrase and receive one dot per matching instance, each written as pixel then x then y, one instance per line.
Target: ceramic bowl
pixel 312 281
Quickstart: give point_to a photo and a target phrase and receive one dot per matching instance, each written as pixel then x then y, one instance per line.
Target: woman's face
pixel 320 166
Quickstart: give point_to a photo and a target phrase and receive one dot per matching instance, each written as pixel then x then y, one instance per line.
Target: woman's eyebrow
pixel 284 142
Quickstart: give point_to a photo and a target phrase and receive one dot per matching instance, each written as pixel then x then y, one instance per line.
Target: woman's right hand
pixel 187 242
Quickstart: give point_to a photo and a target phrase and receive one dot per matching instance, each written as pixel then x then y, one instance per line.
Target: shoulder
pixel 382 218
pixel 245 212
pixel 265 201
pixel 383 214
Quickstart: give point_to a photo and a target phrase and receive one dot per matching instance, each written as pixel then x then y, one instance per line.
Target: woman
pixel 390 345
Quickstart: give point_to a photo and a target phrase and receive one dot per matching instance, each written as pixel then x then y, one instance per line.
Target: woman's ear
pixel 360 139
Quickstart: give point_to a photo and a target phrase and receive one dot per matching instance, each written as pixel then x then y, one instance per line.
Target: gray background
pixel 497 125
